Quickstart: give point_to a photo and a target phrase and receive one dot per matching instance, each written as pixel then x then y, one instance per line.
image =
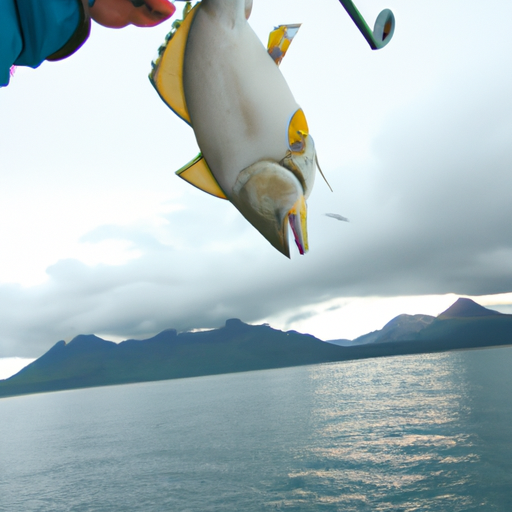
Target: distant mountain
pixel 88 361
pixel 468 322
pixel 466 308
pixel 464 324
pixel 341 342
pixel 402 327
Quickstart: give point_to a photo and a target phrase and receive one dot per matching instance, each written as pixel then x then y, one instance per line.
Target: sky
pixel 97 234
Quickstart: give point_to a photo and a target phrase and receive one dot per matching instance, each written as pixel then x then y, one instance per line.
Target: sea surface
pixel 413 433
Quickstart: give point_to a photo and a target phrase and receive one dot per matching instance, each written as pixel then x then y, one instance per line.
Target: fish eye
pixel 298 146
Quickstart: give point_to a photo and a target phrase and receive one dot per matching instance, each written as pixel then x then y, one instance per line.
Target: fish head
pixel 270 197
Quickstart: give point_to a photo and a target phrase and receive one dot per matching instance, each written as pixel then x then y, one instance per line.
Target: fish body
pixel 256 150
pixel 245 115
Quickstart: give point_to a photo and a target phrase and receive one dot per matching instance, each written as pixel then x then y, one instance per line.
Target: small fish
pixel 336 216
pixel 256 149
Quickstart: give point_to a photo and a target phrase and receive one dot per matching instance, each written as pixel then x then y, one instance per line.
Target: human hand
pixel 120 13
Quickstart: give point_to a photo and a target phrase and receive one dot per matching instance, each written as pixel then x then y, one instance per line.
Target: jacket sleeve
pixel 32 31
pixel 51 27
pixel 80 35
pixel 11 42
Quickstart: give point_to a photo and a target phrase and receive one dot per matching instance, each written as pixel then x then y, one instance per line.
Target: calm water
pixel 416 433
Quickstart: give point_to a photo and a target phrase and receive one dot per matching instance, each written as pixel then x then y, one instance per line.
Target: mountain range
pixel 464 312
pixel 89 361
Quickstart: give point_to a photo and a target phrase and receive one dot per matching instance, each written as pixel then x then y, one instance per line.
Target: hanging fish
pixel 256 150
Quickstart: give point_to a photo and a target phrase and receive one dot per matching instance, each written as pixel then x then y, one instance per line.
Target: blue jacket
pixel 32 31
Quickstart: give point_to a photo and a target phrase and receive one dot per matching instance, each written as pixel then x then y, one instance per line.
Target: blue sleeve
pixel 11 42
pixel 46 27
pixel 32 30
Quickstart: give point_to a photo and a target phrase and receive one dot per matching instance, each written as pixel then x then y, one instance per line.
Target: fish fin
pixel 279 41
pixel 167 73
pixel 197 173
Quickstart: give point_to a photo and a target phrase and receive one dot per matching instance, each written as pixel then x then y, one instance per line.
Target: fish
pixel 255 147
pixel 337 216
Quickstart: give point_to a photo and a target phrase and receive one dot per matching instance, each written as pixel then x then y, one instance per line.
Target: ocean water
pixel 415 433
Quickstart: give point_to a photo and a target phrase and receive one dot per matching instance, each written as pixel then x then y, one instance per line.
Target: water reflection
pixel 391 429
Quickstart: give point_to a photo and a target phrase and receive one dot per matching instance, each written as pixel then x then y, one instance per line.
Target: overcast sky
pixel 99 236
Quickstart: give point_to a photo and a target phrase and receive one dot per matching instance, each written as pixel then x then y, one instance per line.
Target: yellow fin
pixel 279 41
pixel 167 74
pixel 197 173
pixel 297 130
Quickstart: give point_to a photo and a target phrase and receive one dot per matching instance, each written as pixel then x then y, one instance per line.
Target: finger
pixel 152 13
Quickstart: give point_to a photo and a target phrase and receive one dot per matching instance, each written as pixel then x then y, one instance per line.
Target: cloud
pixel 415 140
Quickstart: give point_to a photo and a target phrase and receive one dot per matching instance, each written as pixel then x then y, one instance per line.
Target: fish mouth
pixel 297 217
pixel 271 198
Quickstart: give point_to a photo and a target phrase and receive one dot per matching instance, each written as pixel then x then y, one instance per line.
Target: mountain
pixel 343 342
pixel 91 361
pixel 88 360
pixel 466 308
pixel 402 327
pixel 465 324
